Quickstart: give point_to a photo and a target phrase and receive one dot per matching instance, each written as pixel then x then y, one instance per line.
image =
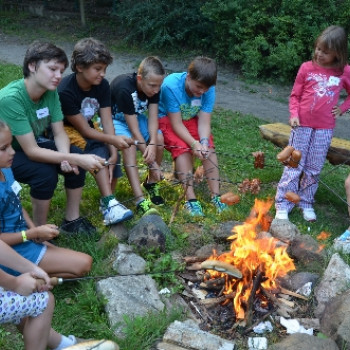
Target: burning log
pixel 259 262
pixel 211 302
pixel 215 283
pixel 256 284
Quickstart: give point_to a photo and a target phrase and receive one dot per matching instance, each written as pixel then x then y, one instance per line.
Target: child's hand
pixel 89 162
pixel 200 151
pixel 294 121
pixel 336 111
pixel 150 154
pixel 25 284
pixel 43 233
pixel 122 142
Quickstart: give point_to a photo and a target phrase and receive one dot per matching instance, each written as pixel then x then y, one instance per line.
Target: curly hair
pixel 89 51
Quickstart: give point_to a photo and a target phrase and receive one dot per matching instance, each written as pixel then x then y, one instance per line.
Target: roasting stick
pixel 54 281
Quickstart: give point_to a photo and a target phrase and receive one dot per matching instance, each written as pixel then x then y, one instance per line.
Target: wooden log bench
pixel 278 134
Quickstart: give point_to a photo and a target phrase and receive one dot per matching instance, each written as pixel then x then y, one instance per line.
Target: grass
pixel 78 309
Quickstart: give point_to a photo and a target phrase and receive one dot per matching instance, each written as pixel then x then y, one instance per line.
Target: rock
pixel 225 229
pixel 127 262
pixel 284 230
pixel 298 280
pixel 128 295
pixel 306 249
pixel 150 232
pixel 300 341
pixel 207 250
pixel 187 335
pixel 335 281
pixel 335 321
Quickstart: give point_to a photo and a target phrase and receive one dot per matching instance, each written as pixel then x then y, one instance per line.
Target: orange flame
pixel 250 255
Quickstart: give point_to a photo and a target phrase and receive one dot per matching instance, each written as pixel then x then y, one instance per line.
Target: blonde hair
pixel 150 65
pixel 334 39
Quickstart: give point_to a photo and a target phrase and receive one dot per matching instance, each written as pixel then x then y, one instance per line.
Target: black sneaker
pixel 154 195
pixel 78 226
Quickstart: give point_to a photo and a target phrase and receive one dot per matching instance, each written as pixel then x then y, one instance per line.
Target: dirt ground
pixel 264 101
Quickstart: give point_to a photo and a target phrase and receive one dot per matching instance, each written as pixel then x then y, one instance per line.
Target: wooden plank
pixel 278 134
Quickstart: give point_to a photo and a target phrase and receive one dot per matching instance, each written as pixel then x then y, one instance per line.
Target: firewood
pixel 282 301
pixel 256 284
pixel 211 302
pixel 283 312
pixel 215 283
pixel 194 259
pixel 289 292
pixel 194 267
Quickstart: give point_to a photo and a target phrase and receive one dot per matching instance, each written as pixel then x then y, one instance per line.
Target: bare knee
pixel 84 266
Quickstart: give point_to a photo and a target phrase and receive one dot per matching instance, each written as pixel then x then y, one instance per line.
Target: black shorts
pixel 41 177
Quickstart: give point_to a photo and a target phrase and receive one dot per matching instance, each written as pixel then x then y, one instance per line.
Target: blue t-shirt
pixel 12 220
pixel 174 98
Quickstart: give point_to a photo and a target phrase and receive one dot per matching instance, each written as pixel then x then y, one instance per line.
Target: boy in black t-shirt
pixel 133 95
pixel 83 94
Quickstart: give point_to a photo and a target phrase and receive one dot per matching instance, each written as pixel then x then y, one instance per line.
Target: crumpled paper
pixel 257 343
pixel 293 326
pixel 263 327
pixel 305 289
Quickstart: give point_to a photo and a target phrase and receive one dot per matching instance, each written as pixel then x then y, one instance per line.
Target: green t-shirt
pixel 23 115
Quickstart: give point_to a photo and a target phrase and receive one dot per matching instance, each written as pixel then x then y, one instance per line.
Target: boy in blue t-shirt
pixel 186 103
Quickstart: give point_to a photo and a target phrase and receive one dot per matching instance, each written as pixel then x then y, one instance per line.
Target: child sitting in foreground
pixel 18 231
pixel 22 304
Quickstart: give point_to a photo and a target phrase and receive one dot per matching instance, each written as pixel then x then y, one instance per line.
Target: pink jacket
pixel 315 92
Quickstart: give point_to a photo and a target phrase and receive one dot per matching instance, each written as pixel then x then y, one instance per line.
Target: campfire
pixel 245 278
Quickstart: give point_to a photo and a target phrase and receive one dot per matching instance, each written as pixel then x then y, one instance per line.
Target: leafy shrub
pixel 159 24
pixel 270 38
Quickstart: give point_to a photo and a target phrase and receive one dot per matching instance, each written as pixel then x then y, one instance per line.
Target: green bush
pixel 159 24
pixel 269 38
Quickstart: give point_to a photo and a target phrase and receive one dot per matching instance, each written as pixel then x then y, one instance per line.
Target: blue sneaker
pixel 220 207
pixel 194 208
pixel 344 237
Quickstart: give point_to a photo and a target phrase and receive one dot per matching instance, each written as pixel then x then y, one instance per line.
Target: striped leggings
pixel 303 180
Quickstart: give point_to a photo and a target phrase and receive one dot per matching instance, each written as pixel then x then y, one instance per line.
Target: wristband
pixel 204 140
pixel 24 236
pixel 193 143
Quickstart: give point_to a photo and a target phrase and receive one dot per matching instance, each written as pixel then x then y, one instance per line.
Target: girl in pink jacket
pixel 313 107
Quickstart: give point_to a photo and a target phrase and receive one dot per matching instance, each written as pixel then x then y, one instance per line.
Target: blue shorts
pixel 30 250
pixel 121 128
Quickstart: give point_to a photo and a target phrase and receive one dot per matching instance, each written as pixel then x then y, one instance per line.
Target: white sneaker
pixel 281 214
pixel 116 212
pixel 309 214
